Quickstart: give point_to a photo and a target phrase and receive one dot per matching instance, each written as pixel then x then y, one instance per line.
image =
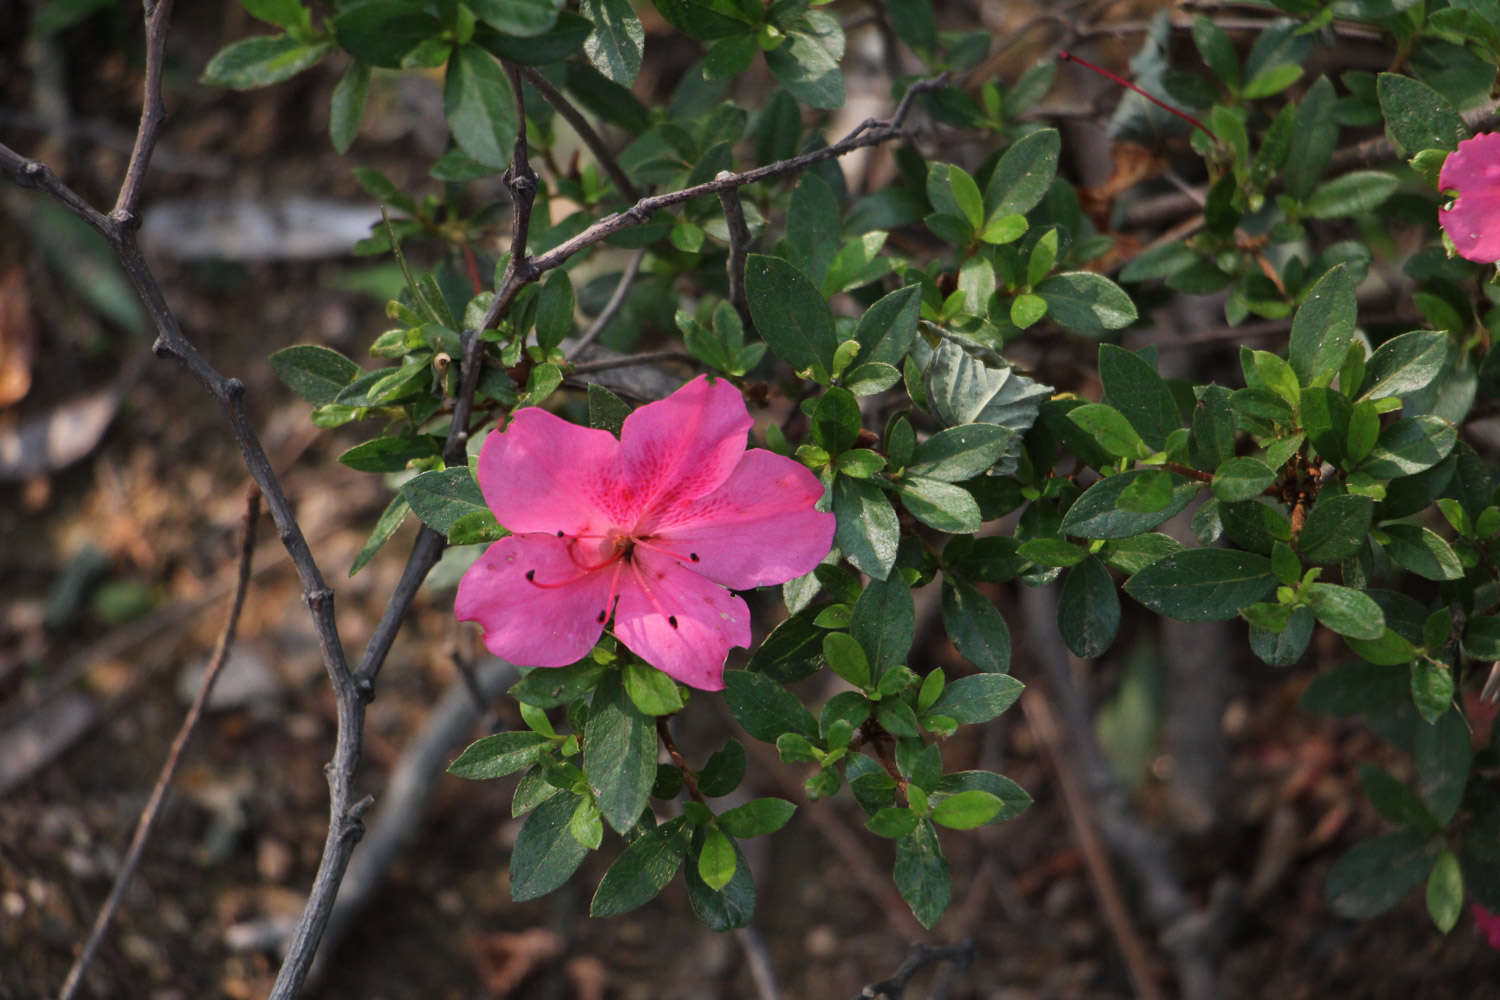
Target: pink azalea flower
pixel 650 529
pixel 1489 924
pixel 1473 220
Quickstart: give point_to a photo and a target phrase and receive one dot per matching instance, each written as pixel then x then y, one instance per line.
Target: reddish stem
pixel 1067 56
pixel 473 266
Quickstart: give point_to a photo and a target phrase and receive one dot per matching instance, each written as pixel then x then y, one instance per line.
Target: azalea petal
pixel 531 625
pixel 1473 223
pixel 679 622
pixel 684 446
pixel 758 528
pixel 543 474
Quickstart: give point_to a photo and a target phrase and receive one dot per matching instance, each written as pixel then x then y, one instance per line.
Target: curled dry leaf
pixel 17 337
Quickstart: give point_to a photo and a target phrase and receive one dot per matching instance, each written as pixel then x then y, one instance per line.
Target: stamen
pixel 1067 56
pixel 650 596
pixel 690 557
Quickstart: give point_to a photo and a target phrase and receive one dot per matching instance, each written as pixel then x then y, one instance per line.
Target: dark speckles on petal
pixel 693 556
pixel 672 620
pixel 531 575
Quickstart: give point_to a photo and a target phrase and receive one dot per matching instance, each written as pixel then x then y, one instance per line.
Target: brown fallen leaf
pixel 503 960
pixel 17 337
pixel 57 438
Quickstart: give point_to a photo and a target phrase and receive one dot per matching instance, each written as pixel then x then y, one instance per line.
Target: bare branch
pixel 739 243
pixel 149 815
pixel 616 300
pixel 591 139
pixel 648 358
pixel 961 956
pixel 153 113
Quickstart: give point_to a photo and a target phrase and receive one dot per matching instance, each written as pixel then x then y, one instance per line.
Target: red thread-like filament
pixel 1067 56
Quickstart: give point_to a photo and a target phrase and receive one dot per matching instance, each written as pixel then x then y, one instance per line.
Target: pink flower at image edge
pixel 1473 221
pixel 1489 924
pixel 649 529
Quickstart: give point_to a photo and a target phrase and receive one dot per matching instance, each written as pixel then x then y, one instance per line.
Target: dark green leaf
pixel 868 530
pixel 499 755
pixel 764 708
pixel 791 315
pixel 1393 800
pixel 389 454
pixel 517 17
pixel 977 697
pixel 619 753
pixel 642 870
pixel 1203 584
pixel 1322 328
pixel 884 622
pixel 479 106
pixel 1242 479
pixel 960 453
pixel 607 411
pixel 1404 364
pixel 757 817
pixel 792 651
pixel 390 519
pixel 836 421
pixel 347 106
pixel 616 43
pixel 724 771
pixel 808 70
pixel 1409 446
pixel 1416 116
pixel 549 687
pixel 317 374
pixel 1422 551
pixel 1021 179
pixel 1132 386
pixel 1313 141
pixel 1098 514
pixel 382 32
pixel 1088 609
pixel 1443 759
pixel 442 496
pixel 976 626
pixel 1284 648
pixel 554 311
pixel 940 505
pixel 888 328
pixel 921 874
pixel 1355 688
pixel 1086 303
pixel 1348 612
pixel 1335 528
pixel 729 907
pixel 545 855
pixel 1375 874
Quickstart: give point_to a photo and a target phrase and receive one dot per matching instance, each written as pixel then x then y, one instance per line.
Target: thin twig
pixel 616 300
pixel 153 113
pixel 739 243
pixel 631 360
pixel 591 139
pixel 758 957
pixel 960 955
pixel 664 733
pixel 149 815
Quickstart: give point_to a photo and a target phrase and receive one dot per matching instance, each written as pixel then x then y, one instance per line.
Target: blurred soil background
pixel 121 493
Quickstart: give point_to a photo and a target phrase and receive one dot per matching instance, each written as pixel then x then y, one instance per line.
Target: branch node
pixel 357 811
pixel 319 598
pixel 125 220
pixel 234 389
pixel 364 688
pixel 162 349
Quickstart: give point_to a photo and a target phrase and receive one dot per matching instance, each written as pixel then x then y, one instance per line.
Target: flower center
pixel 591 553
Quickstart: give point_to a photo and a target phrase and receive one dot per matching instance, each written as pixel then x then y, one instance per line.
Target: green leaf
pixel 705 21
pixel 724 771
pixel 1098 514
pixel 1346 611
pixel 642 870
pixel 729 907
pixel 1404 364
pixel 1376 873
pixel 499 755
pixel 619 753
pixel 1335 529
pixel 764 708
pixel 1443 760
pixel 1203 584
pixel 1422 551
pixel 390 519
pixel 836 421
pixel 1416 116
pixel 382 32
pixel 546 854
pixel 1445 891
pixel 846 657
pixel 261 61
pixel 977 697
pixel 479 106
pixel 888 328
pixel 1013 798
pixel 718 860
pixel 1313 140
pixel 965 390
pixel 1482 637
pixel 1086 303
pixel 966 810
pixel 1109 429
pixel 554 310
pixel 1409 446
pixel 347 106
pixel 791 315
pixel 652 691
pixel 442 496
pixel 389 454
pixel 584 826
pixel 317 374
pixel 940 505
pixel 975 625
pixel 607 411
pixel 792 651
pixel 615 46
pixel 1323 328
pixel 757 817
pixel 808 70
pixel 953 192
pixel 1350 194
pixel 885 621
pixel 1393 800
pixel 893 822
pixel 1431 689
pixel 960 453
pixel 1022 176
pixel 1088 609
pixel 868 530
pixel 1132 386
pixel 1242 479
pixel 921 873
pixel 1355 688
pixel 517 17
pixel 1283 648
